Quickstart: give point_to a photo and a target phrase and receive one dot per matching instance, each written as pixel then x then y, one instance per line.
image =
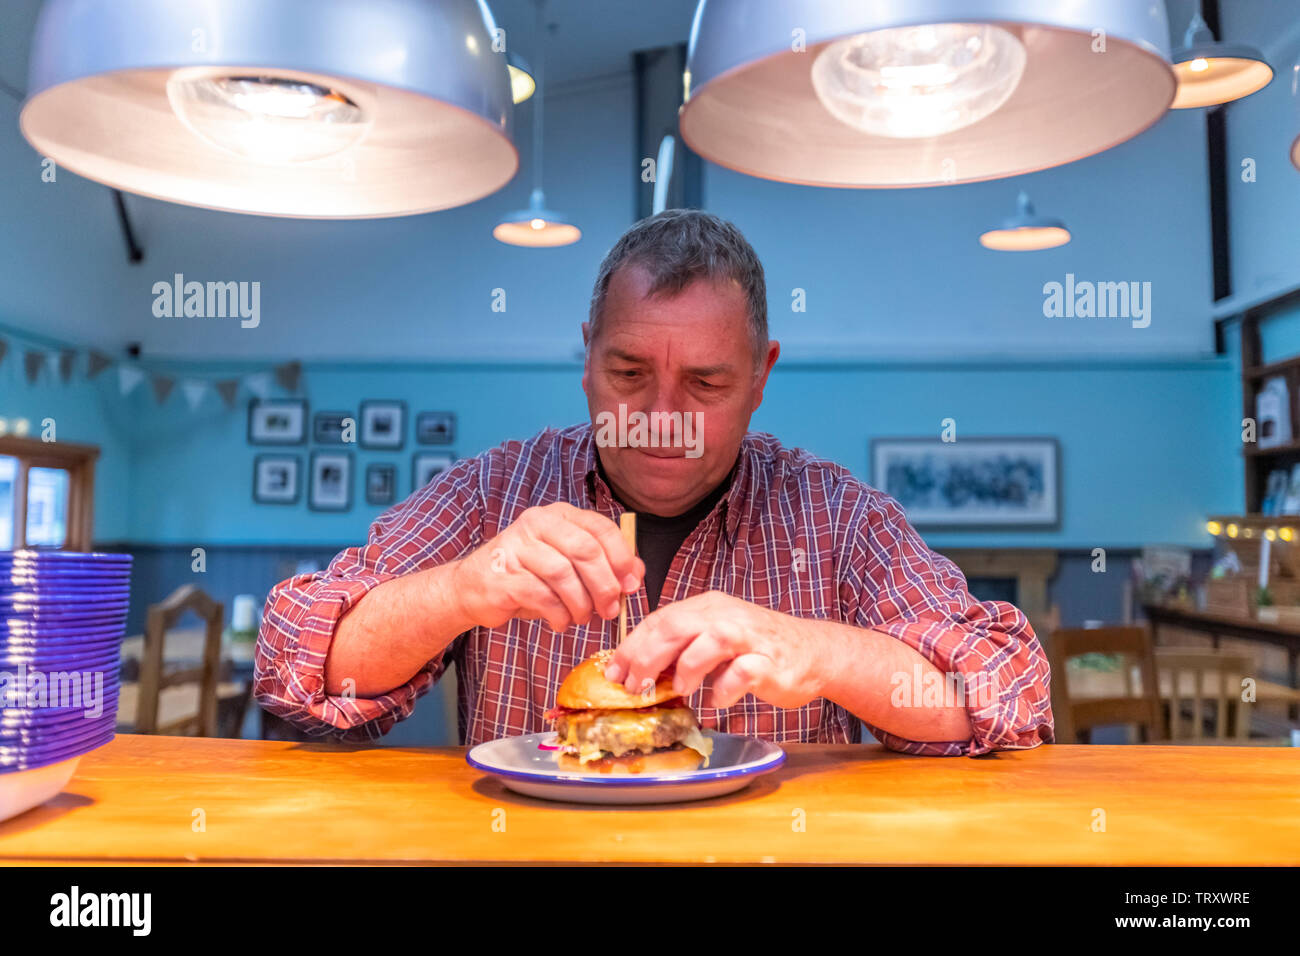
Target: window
pixel 46 494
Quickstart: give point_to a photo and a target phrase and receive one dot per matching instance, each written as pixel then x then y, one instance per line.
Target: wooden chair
pixel 1141 704
pixel 1187 671
pixel 154 678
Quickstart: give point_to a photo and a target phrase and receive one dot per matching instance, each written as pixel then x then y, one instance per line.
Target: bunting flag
pixel 162 387
pixel 227 390
pixel 63 360
pixel 259 384
pixel 96 362
pixel 128 377
pixel 32 363
pixel 194 390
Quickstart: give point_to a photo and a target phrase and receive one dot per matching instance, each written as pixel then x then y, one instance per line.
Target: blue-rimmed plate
pixel 527 765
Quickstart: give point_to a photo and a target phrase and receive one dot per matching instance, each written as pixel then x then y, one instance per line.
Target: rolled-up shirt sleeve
pixel 439 523
pixel 987 651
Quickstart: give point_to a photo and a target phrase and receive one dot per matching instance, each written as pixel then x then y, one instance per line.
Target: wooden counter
pixel 266 801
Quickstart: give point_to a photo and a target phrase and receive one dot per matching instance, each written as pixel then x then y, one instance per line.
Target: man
pixel 791 598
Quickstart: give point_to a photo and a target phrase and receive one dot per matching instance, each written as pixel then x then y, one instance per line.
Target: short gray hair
pixel 678 246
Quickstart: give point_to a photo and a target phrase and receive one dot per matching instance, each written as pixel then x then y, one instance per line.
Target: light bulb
pixel 538 224
pixel 273 119
pixel 913 82
pixel 1199 65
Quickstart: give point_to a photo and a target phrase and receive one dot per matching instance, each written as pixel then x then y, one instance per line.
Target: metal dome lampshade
pixel 1210 72
pixel 339 110
pixel 1026 231
pixel 898 93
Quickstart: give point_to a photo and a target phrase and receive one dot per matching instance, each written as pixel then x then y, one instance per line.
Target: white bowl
pixel 21 791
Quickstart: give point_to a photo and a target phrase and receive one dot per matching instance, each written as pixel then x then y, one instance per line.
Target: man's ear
pixel 586 334
pixel 586 358
pixel 773 353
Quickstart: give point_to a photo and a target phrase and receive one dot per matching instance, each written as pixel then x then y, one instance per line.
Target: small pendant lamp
pixel 1210 72
pixel 537 226
pixel 1026 231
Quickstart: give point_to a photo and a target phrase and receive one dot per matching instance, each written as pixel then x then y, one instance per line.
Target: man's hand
pixel 555 562
pixel 747 648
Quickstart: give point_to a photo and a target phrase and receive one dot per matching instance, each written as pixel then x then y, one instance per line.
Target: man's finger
pixel 746 674
pixel 700 658
pixel 622 559
pixel 655 643
pixel 556 571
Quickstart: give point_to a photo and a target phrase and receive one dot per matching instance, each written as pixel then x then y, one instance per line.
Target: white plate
pixel 21 791
pixel 523 766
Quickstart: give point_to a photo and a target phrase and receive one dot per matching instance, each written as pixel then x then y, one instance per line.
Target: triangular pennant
pixel 66 359
pixel 227 390
pixel 194 391
pixel 162 387
pixel 128 377
pixel 32 363
pixel 289 375
pixel 96 362
pixel 259 384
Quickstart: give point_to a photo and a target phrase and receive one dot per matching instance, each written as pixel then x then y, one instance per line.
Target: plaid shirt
pixel 795 533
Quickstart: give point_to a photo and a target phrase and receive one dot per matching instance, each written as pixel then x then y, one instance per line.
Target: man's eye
pixel 704 384
pixel 626 372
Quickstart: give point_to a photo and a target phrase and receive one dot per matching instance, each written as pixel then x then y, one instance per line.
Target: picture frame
pixel 327 427
pixel 381 483
pixel 425 466
pixel 277 479
pixel 435 428
pixel 278 421
pixel 382 425
pixel 330 481
pixel 982 482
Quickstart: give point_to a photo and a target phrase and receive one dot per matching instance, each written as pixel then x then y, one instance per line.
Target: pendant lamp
pixel 1210 72
pixel 321 110
pixel 522 82
pixel 898 93
pixel 537 226
pixel 1026 231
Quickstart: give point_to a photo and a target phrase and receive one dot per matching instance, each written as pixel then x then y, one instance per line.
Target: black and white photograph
pixel 276 479
pixel 381 484
pixel 435 428
pixel 277 421
pixel 334 428
pixel 330 487
pixel 425 466
pixel 383 425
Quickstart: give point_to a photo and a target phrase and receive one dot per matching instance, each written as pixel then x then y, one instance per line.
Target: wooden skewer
pixel 627 525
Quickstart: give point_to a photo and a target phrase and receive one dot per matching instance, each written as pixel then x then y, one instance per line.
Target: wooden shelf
pixel 1273 368
pixel 1286 448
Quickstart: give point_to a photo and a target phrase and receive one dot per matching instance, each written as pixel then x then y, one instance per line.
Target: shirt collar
pixel 591 488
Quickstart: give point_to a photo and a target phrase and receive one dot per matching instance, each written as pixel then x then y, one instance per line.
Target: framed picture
pixel 331 481
pixel 327 427
pixel 435 428
pixel 276 479
pixel 971 482
pixel 277 422
pixel 381 484
pixel 383 425
pixel 428 465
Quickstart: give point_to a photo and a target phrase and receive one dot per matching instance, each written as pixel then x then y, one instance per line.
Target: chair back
pixel 1140 705
pixel 155 678
pixel 1201 676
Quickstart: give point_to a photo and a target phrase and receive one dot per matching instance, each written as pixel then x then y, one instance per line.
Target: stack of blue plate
pixel 62 617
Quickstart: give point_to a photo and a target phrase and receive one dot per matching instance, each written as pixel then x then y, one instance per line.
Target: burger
pixel 604 728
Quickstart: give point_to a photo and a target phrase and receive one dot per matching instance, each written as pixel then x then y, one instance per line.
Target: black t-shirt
pixel 658 539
